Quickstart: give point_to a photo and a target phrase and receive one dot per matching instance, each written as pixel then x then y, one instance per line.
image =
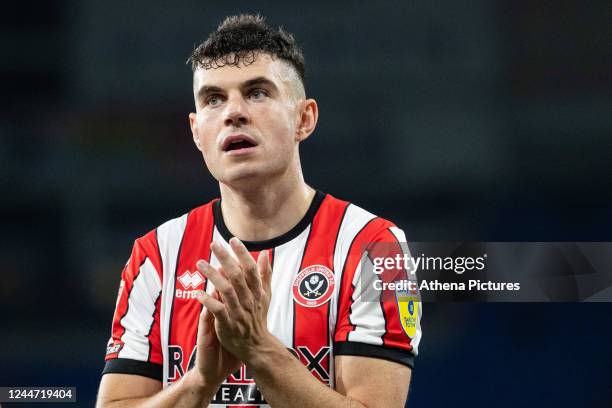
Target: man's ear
pixel 193 124
pixel 307 120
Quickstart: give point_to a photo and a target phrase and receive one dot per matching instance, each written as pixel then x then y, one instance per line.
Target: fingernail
pixel 202 264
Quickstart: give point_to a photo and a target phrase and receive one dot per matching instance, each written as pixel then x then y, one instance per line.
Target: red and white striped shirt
pixel 315 311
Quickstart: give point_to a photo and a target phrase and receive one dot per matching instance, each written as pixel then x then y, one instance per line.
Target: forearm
pixel 283 380
pixel 189 391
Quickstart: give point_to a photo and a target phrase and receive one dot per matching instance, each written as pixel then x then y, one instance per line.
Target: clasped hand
pixel 240 306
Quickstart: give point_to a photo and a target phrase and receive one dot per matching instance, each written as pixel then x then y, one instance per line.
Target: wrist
pixel 197 382
pixel 265 352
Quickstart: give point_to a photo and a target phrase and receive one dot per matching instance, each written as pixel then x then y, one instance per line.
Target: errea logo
pixel 190 283
pixel 191 280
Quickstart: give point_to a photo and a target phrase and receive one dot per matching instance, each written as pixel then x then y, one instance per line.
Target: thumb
pixel 206 328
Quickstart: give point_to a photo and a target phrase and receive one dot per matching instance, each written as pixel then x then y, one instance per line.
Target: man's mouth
pixel 237 142
pixel 242 144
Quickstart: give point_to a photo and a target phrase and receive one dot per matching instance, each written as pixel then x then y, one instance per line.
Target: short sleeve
pixel 134 346
pixel 379 308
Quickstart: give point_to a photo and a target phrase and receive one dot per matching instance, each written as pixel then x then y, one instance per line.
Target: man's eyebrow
pixel 258 81
pixel 208 89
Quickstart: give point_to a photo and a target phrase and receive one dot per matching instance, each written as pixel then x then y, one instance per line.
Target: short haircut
pixel 239 38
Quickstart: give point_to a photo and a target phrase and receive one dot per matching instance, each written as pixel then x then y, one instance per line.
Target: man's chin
pixel 244 178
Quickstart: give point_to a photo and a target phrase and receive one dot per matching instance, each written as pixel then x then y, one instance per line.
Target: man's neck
pixel 267 212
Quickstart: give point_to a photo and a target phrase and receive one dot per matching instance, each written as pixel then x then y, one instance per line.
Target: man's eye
pixel 213 100
pixel 258 94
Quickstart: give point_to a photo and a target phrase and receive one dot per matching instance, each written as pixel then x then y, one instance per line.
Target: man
pixel 275 317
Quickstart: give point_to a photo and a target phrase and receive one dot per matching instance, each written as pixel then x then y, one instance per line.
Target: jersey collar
pixel 276 241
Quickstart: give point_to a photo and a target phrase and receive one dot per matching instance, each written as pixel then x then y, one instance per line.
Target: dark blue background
pixel 482 121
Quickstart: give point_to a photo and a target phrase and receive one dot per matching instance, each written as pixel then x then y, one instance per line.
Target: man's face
pixel 247 120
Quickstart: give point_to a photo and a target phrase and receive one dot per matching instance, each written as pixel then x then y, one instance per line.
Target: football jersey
pixel 316 310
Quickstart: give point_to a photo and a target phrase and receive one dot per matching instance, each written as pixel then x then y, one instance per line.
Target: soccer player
pixel 255 299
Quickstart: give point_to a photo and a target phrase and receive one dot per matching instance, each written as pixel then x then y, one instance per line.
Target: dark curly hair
pixel 239 38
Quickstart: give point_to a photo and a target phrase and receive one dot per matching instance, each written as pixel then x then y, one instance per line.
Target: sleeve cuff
pixel 129 366
pixel 350 348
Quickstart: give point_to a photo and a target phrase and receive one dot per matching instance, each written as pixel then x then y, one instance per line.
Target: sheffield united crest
pixel 313 286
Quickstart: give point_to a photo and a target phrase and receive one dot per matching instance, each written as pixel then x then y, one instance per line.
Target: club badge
pixel 313 286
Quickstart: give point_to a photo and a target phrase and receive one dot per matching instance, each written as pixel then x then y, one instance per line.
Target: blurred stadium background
pixel 458 120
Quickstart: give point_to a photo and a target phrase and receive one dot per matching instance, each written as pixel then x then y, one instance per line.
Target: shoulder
pixel 359 223
pixel 171 231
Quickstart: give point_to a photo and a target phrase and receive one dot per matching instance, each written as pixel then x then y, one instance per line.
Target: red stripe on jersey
pixel 311 324
pixel 195 245
pixel 144 247
pixel 345 295
pixel 394 336
pixel 151 247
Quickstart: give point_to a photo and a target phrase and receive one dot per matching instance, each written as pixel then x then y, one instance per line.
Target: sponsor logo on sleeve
pixel 408 306
pixel 113 348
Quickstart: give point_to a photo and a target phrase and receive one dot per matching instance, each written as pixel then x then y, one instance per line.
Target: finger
pixel 249 267
pixel 228 263
pixel 216 294
pixel 206 329
pixel 225 288
pixel 213 307
pixel 222 272
pixel 234 274
pixel 265 271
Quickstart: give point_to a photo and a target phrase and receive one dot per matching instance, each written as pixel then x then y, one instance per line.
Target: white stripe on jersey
pixel 287 258
pixel 354 220
pixel 401 237
pixel 139 317
pixel 366 311
pixel 169 238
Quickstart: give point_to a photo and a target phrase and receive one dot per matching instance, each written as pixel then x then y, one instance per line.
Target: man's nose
pixel 236 113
